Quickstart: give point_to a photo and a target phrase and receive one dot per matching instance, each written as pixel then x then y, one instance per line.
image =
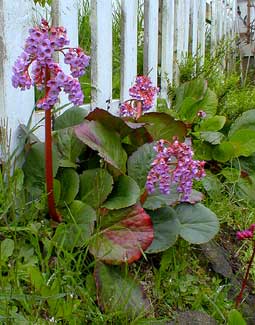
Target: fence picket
pixel 201 29
pixel 150 63
pixel 101 53
pixel 167 52
pixel 128 46
pixel 194 19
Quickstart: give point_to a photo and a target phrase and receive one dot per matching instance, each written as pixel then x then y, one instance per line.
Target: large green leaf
pixel 34 168
pixel 166 229
pixel 214 123
pixel 245 121
pixel 69 180
pixel 6 249
pixel 81 218
pixel 71 117
pixel 194 89
pixel 209 103
pixel 123 236
pixel 113 122
pixel 163 126
pixel 125 193
pixel 223 152
pixel 69 147
pixel 119 292
pixel 245 188
pixel 139 163
pixel 243 141
pixel 104 140
pixel 158 200
pixel 235 318
pixel 212 137
pixel 198 223
pixel 95 186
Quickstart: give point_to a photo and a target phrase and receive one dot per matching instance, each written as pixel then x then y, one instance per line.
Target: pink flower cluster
pixel 143 91
pixel 174 165
pixel 246 234
pixel 46 74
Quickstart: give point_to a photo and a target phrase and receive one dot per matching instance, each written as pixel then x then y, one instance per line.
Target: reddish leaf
pixel 113 122
pixel 104 140
pixel 125 235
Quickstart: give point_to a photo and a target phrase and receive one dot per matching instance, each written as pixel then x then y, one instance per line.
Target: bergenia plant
pixel 36 67
pixel 142 95
pixel 247 234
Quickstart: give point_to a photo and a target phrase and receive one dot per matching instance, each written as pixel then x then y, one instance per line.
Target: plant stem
pixel 48 161
pixel 244 283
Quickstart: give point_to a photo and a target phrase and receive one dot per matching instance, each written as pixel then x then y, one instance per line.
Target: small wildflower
pixel 246 234
pixel 174 165
pixel 201 114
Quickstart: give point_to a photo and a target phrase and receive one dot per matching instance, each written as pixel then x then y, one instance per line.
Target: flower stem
pixel 48 161
pixel 244 283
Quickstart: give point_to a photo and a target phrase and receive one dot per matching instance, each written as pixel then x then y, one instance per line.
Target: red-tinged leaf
pixel 123 236
pixel 104 140
pixel 113 122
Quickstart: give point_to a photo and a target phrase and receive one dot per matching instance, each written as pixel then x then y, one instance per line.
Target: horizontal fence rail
pixel 171 29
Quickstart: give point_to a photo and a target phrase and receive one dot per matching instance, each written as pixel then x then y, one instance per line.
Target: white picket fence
pixel 182 30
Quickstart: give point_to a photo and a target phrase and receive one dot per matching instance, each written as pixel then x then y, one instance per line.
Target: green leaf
pixel 81 218
pixel 245 121
pixel 125 193
pixel 209 103
pixel 235 318
pixel 104 140
pixel 139 163
pixel 95 186
pixel 223 152
pixel 56 190
pixel 214 123
pixel 69 147
pixel 166 229
pixel 69 180
pixel 71 117
pixel 123 236
pixel 158 200
pixel 163 126
pixel 245 189
pixel 34 168
pixel 202 150
pixel 212 185
pixel 6 249
pixel 243 142
pixel 198 223
pixel 194 89
pixel 118 292
pixel 212 137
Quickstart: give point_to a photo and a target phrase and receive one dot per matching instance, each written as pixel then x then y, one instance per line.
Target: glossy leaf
pixel 69 147
pixel 163 126
pixel 123 236
pixel 139 163
pixel 34 168
pixel 113 122
pixel 119 292
pixel 223 152
pixel 245 121
pixel 72 116
pixel 243 141
pixel 158 200
pixel 198 223
pixel 69 180
pixel 6 249
pixel 125 193
pixel 214 123
pixel 166 229
pixel 212 137
pixel 104 140
pixel 81 218
pixel 95 186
